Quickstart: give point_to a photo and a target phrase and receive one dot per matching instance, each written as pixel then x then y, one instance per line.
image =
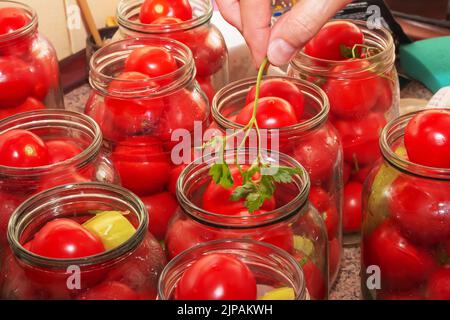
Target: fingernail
pixel 280 52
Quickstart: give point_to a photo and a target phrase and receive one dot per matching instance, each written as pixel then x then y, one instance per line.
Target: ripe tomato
pixel 151 61
pixel 427 138
pixel 217 277
pixel 280 236
pixel 361 174
pixel 206 85
pixel 8 203
pixel 142 164
pixel 438 287
pixel 16 82
pixel 352 98
pixel 65 239
pixel 403 265
pixel 14 284
pixel 346 172
pixel 421 209
pixel 352 207
pixel 360 138
pixel 154 9
pixel 335 255
pixel 314 280
pixel 323 202
pixel 12 19
pixel 161 208
pixel 173 178
pixel 111 290
pixel 280 88
pixel 328 41
pixel 385 96
pixel 62 150
pixel 21 148
pixel 30 104
pixel 272 113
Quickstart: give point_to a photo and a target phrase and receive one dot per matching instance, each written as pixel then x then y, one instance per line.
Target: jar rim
pixel 40 117
pixel 204 249
pixel 268 218
pixel 394 131
pixel 26 29
pixel 137 26
pixel 22 212
pixel 318 95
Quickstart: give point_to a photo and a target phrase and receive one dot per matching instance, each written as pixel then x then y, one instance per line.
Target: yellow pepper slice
pixel 284 293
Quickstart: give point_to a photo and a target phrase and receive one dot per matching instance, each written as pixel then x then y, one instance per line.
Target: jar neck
pixel 108 63
pixel 56 124
pixel 29 30
pixel 196 175
pixel 270 265
pixel 380 62
pixel 392 138
pixel 72 201
pixel 129 23
pixel 234 94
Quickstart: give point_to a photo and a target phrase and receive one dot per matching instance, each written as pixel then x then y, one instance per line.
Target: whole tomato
pixel 280 88
pixel 30 104
pixel 111 290
pixel 16 82
pixel 62 150
pixel 12 19
pixel 314 279
pixel 352 207
pixel 427 138
pixel 327 43
pixel 217 277
pixel 151 61
pixel 22 148
pixel 206 85
pixel 161 208
pixel 154 9
pixel 174 174
pixel 421 209
pixel 403 265
pixel 8 203
pixel 323 202
pixel 385 95
pixel 280 236
pixel 438 287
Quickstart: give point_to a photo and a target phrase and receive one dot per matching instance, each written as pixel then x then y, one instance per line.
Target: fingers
pixel 298 26
pixel 230 11
pixel 255 17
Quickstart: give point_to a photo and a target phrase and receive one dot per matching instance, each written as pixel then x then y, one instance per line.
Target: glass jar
pixel 138 119
pixel 131 269
pixel 17 184
pixel 272 268
pixel 406 224
pixel 294 226
pixel 364 95
pixel 29 66
pixel 313 142
pixel 199 34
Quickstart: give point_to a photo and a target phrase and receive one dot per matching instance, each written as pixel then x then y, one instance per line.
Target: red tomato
pixel 21 148
pixel 427 138
pixel 167 20
pixel 281 237
pixel 154 9
pixel 208 50
pixel 361 174
pixel 421 209
pixel 12 19
pixel 59 177
pixel 385 96
pixel 347 172
pixel 207 87
pixel 352 98
pixel 65 239
pixel 62 150
pixel 142 165
pixel 272 113
pixel 323 202
pixel 352 207
pixel 111 290
pixel 151 61
pixel 360 138
pixel 335 255
pixel 403 265
pixel 280 88
pixel 8 203
pixel 438 287
pixel 173 178
pixel 16 82
pixel 315 282
pixel 31 104
pixel 328 41
pixel 161 208
pixel 14 284
pixel 217 277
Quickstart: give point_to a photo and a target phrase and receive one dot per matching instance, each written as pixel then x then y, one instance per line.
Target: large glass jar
pixel 199 34
pixel 272 268
pixel 294 226
pixel 313 142
pixel 73 128
pixel 29 66
pixel 363 95
pixel 129 271
pixel 406 224
pixel 138 119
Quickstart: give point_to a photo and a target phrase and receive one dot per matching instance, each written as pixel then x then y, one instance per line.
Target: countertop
pixel 347 286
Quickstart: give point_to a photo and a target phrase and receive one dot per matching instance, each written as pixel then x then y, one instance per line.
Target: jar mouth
pixel 26 29
pixel 127 9
pixel 107 63
pixel 380 38
pixel 239 90
pixel 197 173
pixel 273 259
pixel 33 120
pixel 392 137
pixel 51 200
